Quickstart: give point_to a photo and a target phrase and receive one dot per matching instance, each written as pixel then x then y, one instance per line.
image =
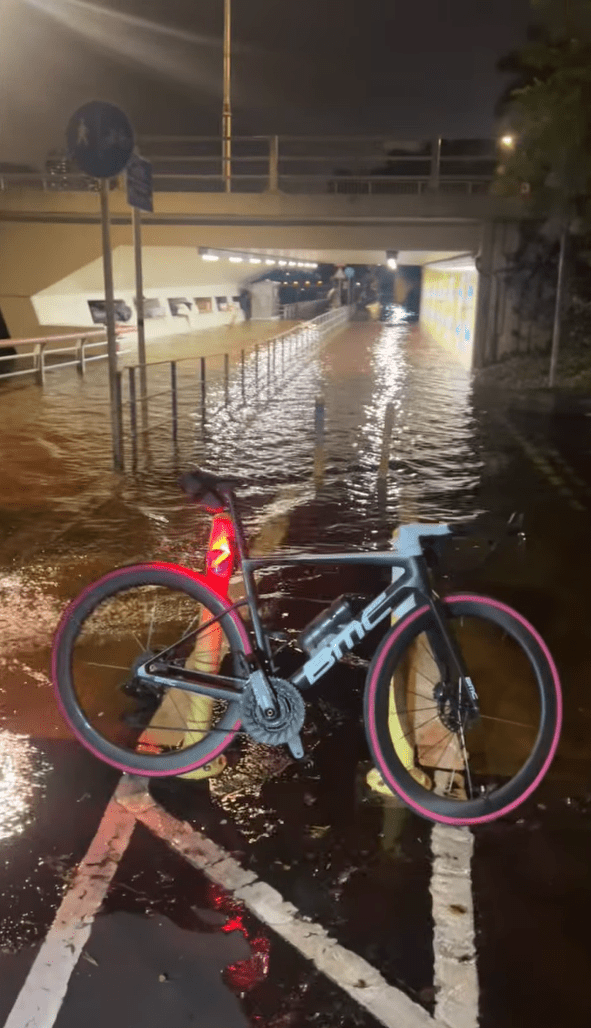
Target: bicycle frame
pixel 409 586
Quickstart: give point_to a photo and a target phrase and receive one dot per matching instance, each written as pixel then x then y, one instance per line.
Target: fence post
pixel 268 366
pixel 202 380
pixel 133 416
pixel 80 355
pixel 174 401
pixel 226 378
pixel 242 375
pixel 256 366
pixel 40 363
pixel 319 422
pixel 386 442
pixel 118 461
pixel 274 164
pixel 435 163
pixel 282 355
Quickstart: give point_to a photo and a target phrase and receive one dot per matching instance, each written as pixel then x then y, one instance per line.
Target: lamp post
pixel 226 108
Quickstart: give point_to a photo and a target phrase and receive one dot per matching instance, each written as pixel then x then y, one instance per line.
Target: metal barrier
pixel 355 165
pixel 256 372
pixel 83 342
pixel 303 309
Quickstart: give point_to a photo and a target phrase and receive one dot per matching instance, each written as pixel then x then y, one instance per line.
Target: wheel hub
pixel 454 712
pixel 136 687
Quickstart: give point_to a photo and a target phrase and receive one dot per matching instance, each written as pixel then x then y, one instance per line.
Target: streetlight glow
pixel 392 263
pixel 508 141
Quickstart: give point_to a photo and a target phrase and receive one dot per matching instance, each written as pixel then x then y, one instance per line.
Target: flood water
pixel 306 432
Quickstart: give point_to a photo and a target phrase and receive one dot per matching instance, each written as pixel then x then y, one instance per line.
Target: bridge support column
pixel 495 303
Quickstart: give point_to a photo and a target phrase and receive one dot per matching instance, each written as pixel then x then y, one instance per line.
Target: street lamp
pixel 507 141
pixel 226 107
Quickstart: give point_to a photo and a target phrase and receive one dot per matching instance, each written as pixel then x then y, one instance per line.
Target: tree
pixel 548 111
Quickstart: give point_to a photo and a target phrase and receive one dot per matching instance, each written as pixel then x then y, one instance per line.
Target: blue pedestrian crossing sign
pixel 139 184
pixel 100 139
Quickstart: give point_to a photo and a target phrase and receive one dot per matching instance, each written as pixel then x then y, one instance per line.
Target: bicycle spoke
pixel 150 629
pixel 139 642
pixel 429 680
pixel 115 667
pixel 422 725
pixel 506 721
pixel 466 764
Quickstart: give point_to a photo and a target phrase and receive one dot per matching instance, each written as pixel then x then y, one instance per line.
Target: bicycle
pixel 156 673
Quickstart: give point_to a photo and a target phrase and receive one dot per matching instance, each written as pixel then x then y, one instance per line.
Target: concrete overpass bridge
pixel 342 200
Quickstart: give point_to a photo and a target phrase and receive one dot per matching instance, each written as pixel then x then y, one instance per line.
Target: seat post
pixel 238 527
pixel 247 575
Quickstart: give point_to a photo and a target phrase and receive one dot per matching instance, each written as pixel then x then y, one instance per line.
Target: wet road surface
pixel 354 862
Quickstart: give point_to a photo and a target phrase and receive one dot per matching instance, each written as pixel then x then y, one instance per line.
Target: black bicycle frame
pixel 411 585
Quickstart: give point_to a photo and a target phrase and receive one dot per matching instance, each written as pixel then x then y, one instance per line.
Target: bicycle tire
pixel 136 576
pixel 397 777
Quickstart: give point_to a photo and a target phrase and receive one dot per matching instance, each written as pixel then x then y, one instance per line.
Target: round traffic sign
pixel 100 139
pixel 350 272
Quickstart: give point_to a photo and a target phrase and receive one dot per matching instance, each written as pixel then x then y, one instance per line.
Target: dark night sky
pixel 407 69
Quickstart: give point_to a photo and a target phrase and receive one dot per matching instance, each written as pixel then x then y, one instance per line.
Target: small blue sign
pixel 350 272
pixel 100 139
pixel 139 184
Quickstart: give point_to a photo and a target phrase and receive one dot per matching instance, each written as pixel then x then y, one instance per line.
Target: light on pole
pixel 227 109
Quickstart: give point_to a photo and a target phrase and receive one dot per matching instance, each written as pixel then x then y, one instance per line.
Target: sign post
pixel 140 198
pixel 100 140
pixel 350 273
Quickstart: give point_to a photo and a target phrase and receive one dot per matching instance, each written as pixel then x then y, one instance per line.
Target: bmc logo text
pixel 348 637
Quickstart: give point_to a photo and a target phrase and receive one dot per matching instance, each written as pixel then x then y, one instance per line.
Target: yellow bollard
pixel 206 655
pixel 402 740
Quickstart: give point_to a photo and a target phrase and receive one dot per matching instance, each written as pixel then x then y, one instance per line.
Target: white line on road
pixel 354 975
pixel 42 995
pixel 454 953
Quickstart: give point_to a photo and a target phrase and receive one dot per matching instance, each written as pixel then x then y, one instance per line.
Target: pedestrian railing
pixel 39 354
pixel 179 396
pixel 304 309
pixel 296 164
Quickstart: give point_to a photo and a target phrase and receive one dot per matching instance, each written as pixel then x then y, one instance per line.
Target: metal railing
pixel 201 387
pixel 296 164
pixel 306 309
pixel 42 348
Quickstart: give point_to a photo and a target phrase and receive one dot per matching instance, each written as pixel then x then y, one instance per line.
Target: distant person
pixel 245 301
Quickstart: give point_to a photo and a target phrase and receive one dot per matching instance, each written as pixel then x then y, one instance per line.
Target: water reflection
pixel 23 775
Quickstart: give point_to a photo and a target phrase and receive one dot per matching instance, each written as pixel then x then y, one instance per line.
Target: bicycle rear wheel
pixel 118 623
pixel 445 763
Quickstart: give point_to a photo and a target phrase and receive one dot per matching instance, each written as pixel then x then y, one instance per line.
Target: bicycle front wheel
pixel 108 632
pixel 448 762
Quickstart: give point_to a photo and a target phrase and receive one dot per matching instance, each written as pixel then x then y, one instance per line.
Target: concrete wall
pixel 169 273
pixel 448 309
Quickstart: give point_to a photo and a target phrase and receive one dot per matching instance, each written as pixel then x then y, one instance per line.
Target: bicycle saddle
pixel 209 491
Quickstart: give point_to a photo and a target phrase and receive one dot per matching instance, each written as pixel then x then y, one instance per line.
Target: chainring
pixel 288 721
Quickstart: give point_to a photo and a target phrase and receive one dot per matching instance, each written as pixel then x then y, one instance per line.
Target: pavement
pixel 280 893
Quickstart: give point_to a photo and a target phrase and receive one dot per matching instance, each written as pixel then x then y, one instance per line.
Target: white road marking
pixel 454 952
pixel 354 975
pixel 39 1001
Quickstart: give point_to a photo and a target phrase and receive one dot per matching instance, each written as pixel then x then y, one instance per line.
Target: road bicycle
pixel 156 673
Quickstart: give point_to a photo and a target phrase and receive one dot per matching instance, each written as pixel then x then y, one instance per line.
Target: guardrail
pixel 83 342
pixel 213 383
pixel 296 164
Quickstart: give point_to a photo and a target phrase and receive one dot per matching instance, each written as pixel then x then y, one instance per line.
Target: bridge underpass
pixel 50 237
